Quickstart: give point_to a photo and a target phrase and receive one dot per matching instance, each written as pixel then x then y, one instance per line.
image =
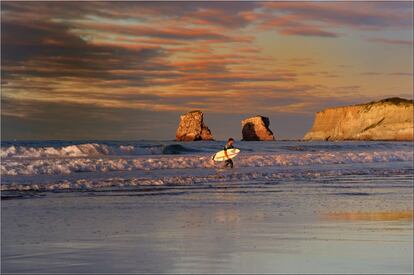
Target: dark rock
pixel 256 129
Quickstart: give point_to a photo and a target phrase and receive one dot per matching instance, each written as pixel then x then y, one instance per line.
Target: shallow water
pixel 335 207
pixel 226 227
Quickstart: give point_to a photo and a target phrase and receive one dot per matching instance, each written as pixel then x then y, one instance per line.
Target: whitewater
pixel 96 165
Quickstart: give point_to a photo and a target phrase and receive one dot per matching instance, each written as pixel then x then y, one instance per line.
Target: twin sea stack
pixel 192 128
pixel 388 119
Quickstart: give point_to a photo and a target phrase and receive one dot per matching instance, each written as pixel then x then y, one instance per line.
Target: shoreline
pixel 232 228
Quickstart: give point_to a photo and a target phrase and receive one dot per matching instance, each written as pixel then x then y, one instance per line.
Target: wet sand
pixel 347 225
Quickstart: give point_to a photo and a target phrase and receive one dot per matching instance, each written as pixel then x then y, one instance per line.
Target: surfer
pixel 229 145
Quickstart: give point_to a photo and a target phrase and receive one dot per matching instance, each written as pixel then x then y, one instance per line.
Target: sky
pixel 128 70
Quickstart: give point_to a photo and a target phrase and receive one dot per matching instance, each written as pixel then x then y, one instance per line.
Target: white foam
pixel 80 150
pixel 185 180
pixel 47 166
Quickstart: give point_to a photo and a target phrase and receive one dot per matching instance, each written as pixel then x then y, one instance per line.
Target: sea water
pixel 165 206
pixel 93 165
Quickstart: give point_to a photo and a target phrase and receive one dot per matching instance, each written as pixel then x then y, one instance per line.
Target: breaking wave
pixel 92 150
pixel 68 165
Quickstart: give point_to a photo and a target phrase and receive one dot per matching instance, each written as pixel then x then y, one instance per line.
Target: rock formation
pixel 256 128
pixel 192 128
pixel 388 119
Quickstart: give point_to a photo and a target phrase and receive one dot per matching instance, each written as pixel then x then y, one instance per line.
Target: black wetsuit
pixel 228 162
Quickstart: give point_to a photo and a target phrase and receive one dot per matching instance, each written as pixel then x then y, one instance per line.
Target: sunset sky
pixel 127 70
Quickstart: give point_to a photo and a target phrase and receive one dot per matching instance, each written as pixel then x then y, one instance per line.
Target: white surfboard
pixel 231 153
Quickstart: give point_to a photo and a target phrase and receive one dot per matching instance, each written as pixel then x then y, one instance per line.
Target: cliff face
pixel 192 128
pixel 256 128
pixel 388 119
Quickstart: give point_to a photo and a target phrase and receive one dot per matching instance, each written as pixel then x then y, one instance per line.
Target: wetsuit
pixel 228 162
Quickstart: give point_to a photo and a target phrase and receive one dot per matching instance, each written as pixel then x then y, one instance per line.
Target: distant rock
pixel 388 119
pixel 192 128
pixel 256 128
pixel 176 149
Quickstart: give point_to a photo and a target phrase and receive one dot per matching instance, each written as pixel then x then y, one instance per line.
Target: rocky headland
pixel 387 119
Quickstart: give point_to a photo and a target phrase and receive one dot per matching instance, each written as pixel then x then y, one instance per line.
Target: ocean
pixel 109 165
pixel 165 206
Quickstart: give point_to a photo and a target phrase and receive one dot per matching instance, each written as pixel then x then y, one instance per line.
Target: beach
pixel 287 207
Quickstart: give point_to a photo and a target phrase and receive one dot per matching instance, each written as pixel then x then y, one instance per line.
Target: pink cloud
pixel 356 14
pixel 316 19
pixel 308 31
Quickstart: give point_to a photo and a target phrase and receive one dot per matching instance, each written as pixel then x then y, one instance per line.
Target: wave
pixel 64 149
pixel 92 150
pixel 347 146
pixel 16 167
pixel 120 183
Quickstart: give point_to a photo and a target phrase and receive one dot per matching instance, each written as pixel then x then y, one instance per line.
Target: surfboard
pixel 231 153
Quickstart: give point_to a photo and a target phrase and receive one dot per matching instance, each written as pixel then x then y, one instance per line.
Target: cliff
pixel 192 128
pixel 256 129
pixel 388 119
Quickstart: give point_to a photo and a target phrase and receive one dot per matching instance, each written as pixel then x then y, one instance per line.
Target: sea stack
pixel 192 128
pixel 387 119
pixel 256 129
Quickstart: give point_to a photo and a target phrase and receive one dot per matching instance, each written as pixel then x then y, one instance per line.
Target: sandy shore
pixel 347 225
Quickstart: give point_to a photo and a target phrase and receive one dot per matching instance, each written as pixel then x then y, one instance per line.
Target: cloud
pixel 316 19
pixel 308 31
pixel 355 14
pixel 371 73
pixel 42 52
pixel 392 41
pixel 402 74
pixel 164 32
pixel 58 61
pixel 52 41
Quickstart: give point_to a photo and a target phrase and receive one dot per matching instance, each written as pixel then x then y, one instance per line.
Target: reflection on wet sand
pixel 223 228
pixel 371 216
